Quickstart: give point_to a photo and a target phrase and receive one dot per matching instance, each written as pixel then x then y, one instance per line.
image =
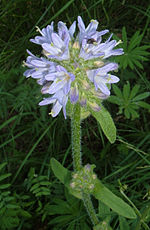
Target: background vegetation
pixel 30 196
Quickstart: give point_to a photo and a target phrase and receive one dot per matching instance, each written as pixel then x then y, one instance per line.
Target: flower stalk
pixel 76 137
pixel 90 209
pixel 77 161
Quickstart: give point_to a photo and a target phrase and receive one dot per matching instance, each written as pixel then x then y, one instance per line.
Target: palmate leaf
pixel 134 54
pixel 128 100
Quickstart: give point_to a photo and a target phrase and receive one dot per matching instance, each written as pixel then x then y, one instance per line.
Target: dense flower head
pixel 84 179
pixel 74 69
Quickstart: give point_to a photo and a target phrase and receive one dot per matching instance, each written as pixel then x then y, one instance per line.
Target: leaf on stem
pixel 106 122
pixel 111 200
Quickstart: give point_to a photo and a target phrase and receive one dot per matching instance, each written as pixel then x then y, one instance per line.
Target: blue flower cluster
pixel 72 64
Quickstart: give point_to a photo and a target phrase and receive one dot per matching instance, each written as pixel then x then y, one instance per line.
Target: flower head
pixel 73 69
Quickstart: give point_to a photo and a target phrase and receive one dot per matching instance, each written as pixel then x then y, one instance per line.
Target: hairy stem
pixel 76 137
pixel 77 162
pixel 90 209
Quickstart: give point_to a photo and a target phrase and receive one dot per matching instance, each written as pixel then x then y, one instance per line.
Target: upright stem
pixel 90 209
pixel 77 162
pixel 76 137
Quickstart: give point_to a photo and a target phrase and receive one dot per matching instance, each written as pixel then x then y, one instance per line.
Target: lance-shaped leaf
pixel 114 202
pixel 106 122
pixel 64 175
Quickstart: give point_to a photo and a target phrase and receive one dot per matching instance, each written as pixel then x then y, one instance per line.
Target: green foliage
pixel 70 213
pixel 112 201
pixel 64 175
pixel 129 101
pixel 10 209
pixel 38 185
pixel 123 223
pixel 134 54
pixel 106 123
pixel 100 192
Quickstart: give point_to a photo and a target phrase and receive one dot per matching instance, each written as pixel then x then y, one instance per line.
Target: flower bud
pixel 94 176
pixel 91 186
pixel 87 167
pixel 75 176
pixel 83 102
pixel 72 185
pixel 85 85
pixel 94 106
pixel 99 63
pixel 76 45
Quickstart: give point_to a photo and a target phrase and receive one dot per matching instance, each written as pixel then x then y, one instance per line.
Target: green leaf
pixel 117 91
pixel 106 123
pixel 141 96
pixel 134 41
pixel 133 113
pixel 127 113
pixel 46 183
pixel 103 210
pixel 102 226
pixel 123 223
pixel 134 91
pixel 3 165
pixel 111 200
pixel 126 91
pixel 35 186
pixel 25 213
pixel 63 174
pixel 143 104
pixel 4 186
pixel 114 100
pixel 5 176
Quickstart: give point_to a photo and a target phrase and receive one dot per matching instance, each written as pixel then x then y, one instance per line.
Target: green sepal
pixel 106 122
pixel 64 175
pixel 112 201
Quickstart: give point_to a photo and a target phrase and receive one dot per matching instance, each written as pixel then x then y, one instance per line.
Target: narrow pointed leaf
pixel 141 96
pixel 111 200
pixel 5 176
pixel 144 104
pixel 134 91
pixel 126 91
pixel 106 122
pixel 64 175
pixel 123 223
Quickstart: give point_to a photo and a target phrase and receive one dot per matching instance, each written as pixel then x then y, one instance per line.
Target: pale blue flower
pixel 59 101
pixel 74 94
pixel 38 67
pixel 73 68
pixel 46 35
pixel 96 49
pixel 61 80
pixel 90 31
pixel 100 77
pixel 57 49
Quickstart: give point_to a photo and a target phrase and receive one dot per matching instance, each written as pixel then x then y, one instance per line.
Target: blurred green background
pixel 30 195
